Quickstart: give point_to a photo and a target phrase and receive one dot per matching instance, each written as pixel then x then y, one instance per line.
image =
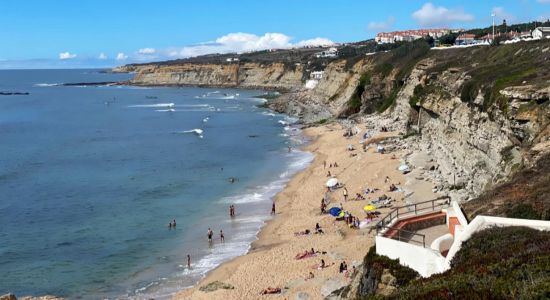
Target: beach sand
pixel 271 260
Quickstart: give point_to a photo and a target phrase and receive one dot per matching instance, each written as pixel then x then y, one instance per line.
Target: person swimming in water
pixel 210 234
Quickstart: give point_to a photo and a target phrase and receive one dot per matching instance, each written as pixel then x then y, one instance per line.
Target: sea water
pixel 90 177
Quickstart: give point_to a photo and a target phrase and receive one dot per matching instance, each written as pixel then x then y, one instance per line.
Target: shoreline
pixel 270 261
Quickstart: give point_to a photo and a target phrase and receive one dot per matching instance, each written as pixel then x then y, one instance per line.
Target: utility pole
pixel 493 15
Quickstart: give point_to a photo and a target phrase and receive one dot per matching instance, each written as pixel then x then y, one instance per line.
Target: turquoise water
pixel 90 176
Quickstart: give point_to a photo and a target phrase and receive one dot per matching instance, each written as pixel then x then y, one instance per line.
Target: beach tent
pixel 335 211
pixel 332 182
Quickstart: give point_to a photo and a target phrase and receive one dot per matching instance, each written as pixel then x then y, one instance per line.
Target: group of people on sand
pixel 351 220
pixel 318 230
pixel 308 253
pixel 331 165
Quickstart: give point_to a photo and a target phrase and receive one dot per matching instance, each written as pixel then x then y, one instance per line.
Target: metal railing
pixel 411 210
pixel 408 236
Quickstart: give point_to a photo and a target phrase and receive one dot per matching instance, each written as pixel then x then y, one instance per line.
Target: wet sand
pixel 271 261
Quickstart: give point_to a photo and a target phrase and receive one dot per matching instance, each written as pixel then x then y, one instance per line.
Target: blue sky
pixel 101 33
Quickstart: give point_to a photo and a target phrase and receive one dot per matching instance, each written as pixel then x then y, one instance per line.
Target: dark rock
pixel 8 297
pixel 215 285
pixel 14 93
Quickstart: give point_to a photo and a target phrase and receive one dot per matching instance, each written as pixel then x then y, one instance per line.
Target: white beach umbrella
pixel 332 182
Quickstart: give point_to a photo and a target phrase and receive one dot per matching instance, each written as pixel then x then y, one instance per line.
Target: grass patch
pixel 322 121
pixel 388 101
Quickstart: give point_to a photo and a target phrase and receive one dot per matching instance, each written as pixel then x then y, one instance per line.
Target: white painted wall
pixel 423 260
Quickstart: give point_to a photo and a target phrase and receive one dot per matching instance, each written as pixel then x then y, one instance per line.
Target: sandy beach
pixel 271 261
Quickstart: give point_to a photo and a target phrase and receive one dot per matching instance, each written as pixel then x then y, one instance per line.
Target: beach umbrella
pixel 332 182
pixel 369 207
pixel 335 211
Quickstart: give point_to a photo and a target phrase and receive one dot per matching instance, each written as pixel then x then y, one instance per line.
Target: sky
pixel 107 33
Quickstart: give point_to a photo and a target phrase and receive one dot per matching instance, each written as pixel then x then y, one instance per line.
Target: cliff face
pixel 481 117
pixel 245 75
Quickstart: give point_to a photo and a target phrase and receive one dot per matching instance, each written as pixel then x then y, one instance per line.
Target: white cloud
pixel 243 42
pixel 543 1
pixel 430 15
pixel 121 56
pixel 501 13
pixel 146 51
pixel 102 56
pixel 314 42
pixel 381 26
pixel 66 55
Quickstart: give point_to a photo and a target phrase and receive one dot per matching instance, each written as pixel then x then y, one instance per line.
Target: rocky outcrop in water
pixel 13 297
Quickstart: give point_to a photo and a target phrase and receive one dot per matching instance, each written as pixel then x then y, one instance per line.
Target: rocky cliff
pixel 243 75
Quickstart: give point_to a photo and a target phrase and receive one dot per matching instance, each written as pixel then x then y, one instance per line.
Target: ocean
pixel 90 177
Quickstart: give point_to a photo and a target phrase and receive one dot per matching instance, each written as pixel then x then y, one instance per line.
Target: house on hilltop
pixel 331 52
pixel 465 39
pixel 541 32
pixel 410 35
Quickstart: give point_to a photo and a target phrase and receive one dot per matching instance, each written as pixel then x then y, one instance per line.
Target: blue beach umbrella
pixel 335 211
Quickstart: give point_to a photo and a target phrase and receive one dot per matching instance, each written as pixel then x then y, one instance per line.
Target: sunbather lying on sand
pixel 306 254
pixel 305 232
pixel 271 290
pixel 322 265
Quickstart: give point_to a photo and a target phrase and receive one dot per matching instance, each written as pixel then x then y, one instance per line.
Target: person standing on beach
pixel 324 164
pixel 210 234
pixel 188 261
pixel 345 194
pixel 222 237
pixel 273 208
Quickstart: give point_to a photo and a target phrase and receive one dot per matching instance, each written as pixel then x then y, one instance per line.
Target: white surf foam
pixel 199 132
pixel 46 84
pixel 154 105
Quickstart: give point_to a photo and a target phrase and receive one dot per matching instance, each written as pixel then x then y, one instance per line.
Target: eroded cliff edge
pixel 481 113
